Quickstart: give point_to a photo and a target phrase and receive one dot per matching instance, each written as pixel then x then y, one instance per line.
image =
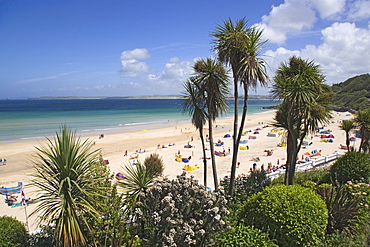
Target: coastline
pixel 113 146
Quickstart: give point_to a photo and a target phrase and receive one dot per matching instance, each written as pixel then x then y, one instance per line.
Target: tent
pixel 227 135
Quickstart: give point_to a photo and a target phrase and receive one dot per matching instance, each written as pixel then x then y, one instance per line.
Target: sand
pixel 19 155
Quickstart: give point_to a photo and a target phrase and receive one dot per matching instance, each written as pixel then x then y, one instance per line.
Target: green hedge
pixel 12 232
pixel 352 166
pixel 293 215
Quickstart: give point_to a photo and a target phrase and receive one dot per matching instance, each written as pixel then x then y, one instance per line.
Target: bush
pixel 317 176
pixel 352 166
pixel 154 162
pixel 179 213
pixel 342 239
pixel 246 236
pixel 293 215
pixel 12 232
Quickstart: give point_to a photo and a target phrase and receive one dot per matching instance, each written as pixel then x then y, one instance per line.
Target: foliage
pixel 352 166
pixel 154 162
pixel 13 233
pixel 347 126
pixel 179 213
pixel 362 121
pixel 246 236
pixel 292 215
pixel 211 81
pixel 247 185
pixel 44 237
pixel 342 239
pixel 300 84
pixel 138 179
pixel 354 93
pixel 317 176
pixel 342 207
pixel 238 47
pixel 68 182
pixel 194 104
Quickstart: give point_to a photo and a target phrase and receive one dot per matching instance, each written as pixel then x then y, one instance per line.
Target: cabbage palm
pixel 138 179
pixel 195 105
pixel 299 84
pixel 347 126
pixel 238 47
pixel 212 81
pixel 363 122
pixel 67 180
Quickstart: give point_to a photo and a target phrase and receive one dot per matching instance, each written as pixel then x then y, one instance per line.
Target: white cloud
pixel 131 67
pixel 292 16
pixel 137 54
pixel 359 10
pixel 173 75
pixel 327 8
pixel 344 53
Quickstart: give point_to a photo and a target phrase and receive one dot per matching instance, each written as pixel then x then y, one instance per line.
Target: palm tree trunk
pixel 214 169
pixel 347 140
pixel 239 136
pixel 235 144
pixel 292 151
pixel 204 156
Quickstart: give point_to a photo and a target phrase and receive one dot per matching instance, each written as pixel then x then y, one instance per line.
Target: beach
pixel 169 142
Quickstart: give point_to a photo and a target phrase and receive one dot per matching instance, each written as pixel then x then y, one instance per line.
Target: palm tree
pixel 363 122
pixel 67 180
pixel 347 126
pixel 211 79
pixel 195 105
pixel 299 84
pixel 238 47
pixel 138 179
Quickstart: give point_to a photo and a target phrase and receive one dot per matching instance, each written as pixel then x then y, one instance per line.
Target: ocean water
pixel 22 120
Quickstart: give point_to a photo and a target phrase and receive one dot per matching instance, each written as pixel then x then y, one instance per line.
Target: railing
pixel 303 165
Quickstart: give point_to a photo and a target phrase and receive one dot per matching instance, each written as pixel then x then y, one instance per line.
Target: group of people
pixel 3 162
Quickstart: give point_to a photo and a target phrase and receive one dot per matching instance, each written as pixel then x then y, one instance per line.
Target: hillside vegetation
pixel 353 93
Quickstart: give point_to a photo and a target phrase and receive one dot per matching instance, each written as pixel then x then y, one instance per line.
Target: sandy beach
pixel 19 155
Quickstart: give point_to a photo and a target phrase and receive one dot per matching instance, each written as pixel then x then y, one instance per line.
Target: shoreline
pixel 113 146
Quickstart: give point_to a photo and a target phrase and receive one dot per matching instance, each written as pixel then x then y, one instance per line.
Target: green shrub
pixel 154 162
pixel 246 236
pixel 179 212
pixel 352 166
pixel 342 239
pixel 12 232
pixel 293 215
pixel 317 176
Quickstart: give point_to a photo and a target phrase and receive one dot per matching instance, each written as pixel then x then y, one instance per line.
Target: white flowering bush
pixel 180 212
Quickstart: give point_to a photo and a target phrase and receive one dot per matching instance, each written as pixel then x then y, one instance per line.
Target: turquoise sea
pixel 23 120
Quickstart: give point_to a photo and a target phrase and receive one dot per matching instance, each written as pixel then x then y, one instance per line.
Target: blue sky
pixel 125 48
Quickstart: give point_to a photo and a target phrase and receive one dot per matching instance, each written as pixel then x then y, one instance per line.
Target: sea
pixel 38 119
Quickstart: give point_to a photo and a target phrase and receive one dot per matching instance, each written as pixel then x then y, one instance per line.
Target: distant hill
pixel 353 93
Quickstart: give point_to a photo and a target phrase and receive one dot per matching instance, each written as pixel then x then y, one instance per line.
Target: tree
pixel 211 79
pixel 347 126
pixel 238 47
pixel 363 122
pixel 154 162
pixel 299 84
pixel 194 104
pixel 68 183
pixel 13 232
